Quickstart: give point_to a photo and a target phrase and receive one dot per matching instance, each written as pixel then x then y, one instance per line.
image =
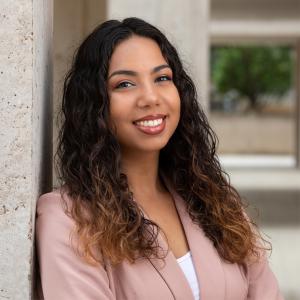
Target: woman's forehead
pixel 136 53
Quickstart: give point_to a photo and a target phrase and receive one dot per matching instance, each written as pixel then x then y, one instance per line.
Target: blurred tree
pixel 252 71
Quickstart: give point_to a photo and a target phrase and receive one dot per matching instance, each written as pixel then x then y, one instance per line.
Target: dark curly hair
pixel 88 159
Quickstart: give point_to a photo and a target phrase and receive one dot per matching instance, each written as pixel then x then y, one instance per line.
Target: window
pixel 253 104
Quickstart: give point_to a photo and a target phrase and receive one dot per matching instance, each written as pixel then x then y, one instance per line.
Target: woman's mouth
pixel 151 127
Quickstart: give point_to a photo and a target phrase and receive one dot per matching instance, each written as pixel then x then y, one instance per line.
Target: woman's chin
pixel 146 147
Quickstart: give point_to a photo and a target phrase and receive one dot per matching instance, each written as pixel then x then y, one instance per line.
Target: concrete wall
pixel 25 139
pixel 255 9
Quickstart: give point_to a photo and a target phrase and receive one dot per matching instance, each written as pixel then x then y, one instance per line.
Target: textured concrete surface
pixel 255 134
pixel 25 74
pixel 255 9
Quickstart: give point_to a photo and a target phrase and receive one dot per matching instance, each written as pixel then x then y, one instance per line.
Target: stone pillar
pixel 186 23
pixel 26 135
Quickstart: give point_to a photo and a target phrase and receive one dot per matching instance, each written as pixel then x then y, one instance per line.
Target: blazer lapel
pixel 206 260
pixel 170 271
pixel 172 274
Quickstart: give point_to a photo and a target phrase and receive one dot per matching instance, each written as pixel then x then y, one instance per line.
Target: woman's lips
pixel 151 130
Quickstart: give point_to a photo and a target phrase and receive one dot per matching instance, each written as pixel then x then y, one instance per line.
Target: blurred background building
pixel 244 57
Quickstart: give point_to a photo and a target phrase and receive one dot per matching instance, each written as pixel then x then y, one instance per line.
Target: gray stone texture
pixel 25 138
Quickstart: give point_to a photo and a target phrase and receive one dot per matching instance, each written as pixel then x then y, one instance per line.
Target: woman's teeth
pixel 150 123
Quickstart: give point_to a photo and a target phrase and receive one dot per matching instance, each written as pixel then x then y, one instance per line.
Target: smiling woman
pixel 144 101
pixel 144 210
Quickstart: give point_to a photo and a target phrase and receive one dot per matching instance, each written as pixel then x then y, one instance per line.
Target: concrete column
pixel 186 25
pixel 25 138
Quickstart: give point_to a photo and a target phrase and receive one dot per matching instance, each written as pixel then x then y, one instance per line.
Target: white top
pixel 187 266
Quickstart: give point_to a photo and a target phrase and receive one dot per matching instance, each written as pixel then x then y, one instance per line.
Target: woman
pixel 145 211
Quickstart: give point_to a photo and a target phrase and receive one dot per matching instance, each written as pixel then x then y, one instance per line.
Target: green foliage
pixel 252 71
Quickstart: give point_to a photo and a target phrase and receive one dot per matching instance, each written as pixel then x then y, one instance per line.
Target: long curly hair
pixel 89 161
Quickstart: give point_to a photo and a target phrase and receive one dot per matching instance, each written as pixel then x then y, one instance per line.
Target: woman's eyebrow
pixel 133 73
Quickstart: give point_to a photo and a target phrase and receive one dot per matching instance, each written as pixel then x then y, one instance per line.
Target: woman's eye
pixel 164 78
pixel 123 84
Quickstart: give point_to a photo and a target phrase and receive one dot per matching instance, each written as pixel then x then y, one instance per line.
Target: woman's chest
pixel 145 280
pixel 165 215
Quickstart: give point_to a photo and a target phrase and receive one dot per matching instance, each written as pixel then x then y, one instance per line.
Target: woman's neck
pixel 142 172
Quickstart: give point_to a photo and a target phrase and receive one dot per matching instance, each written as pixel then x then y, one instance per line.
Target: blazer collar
pixel 207 262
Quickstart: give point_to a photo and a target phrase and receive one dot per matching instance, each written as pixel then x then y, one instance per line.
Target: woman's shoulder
pixel 54 205
pixel 49 199
pixel 54 224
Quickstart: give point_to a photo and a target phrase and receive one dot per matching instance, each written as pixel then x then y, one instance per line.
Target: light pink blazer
pixel 65 276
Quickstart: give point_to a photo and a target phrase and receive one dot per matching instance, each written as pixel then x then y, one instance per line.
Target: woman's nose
pixel 149 96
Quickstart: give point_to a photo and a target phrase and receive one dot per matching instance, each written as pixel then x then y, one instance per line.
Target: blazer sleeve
pixel 263 284
pixel 64 275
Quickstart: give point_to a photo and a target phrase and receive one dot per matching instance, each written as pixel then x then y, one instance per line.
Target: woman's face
pixel 144 101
